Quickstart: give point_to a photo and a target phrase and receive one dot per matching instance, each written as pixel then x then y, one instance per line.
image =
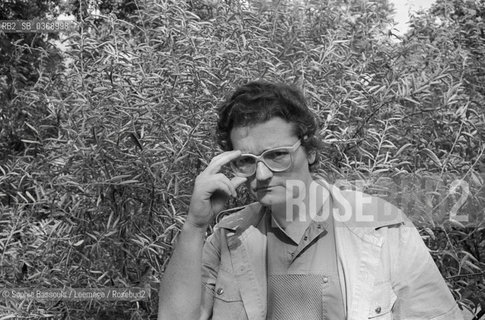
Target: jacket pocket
pixel 382 301
pixel 227 298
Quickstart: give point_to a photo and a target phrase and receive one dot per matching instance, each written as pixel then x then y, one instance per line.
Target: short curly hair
pixel 260 101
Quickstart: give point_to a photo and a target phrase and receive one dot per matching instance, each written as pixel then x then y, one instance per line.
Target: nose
pixel 263 172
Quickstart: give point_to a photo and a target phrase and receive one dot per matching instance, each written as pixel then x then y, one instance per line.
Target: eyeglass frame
pixel 260 158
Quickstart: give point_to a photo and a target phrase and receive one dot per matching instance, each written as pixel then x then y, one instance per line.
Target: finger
pixel 227 182
pixel 237 181
pixel 224 158
pixel 224 187
pixel 223 155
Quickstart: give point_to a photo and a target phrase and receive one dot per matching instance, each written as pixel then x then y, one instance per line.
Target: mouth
pixel 263 189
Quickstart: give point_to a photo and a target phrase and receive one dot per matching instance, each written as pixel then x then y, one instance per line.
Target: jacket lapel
pixel 357 263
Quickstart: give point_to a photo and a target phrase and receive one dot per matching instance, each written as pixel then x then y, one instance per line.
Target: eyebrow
pixel 270 148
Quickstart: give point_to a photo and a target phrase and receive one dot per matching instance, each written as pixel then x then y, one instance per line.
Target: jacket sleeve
pixel 421 291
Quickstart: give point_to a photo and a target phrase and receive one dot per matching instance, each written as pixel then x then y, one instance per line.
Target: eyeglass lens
pixel 275 160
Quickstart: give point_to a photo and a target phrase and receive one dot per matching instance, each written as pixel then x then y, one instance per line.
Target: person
pixel 305 249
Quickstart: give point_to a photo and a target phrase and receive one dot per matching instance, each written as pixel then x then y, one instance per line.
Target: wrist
pixel 192 226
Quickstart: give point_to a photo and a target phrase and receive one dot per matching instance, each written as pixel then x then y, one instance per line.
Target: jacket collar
pixel 243 219
pixel 361 213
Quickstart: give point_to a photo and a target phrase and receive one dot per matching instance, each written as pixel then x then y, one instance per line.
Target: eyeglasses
pixel 277 160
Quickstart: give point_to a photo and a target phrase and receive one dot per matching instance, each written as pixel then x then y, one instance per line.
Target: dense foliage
pixel 99 148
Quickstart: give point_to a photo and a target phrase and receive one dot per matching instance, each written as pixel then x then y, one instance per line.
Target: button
pixel 319 226
pixel 378 310
pixel 325 279
pixel 305 238
pixel 220 291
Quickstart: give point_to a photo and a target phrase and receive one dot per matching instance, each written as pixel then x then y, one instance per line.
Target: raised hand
pixel 212 189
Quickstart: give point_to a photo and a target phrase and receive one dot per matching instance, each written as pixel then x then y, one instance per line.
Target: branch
pixel 466 275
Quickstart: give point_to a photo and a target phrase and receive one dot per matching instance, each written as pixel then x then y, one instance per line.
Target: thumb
pixel 237 181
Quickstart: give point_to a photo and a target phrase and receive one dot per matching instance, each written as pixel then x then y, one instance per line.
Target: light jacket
pixel 385 269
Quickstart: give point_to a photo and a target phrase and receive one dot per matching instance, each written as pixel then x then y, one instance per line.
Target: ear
pixel 312 155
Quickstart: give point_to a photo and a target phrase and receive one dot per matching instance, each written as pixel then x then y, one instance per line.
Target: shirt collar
pixel 310 230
